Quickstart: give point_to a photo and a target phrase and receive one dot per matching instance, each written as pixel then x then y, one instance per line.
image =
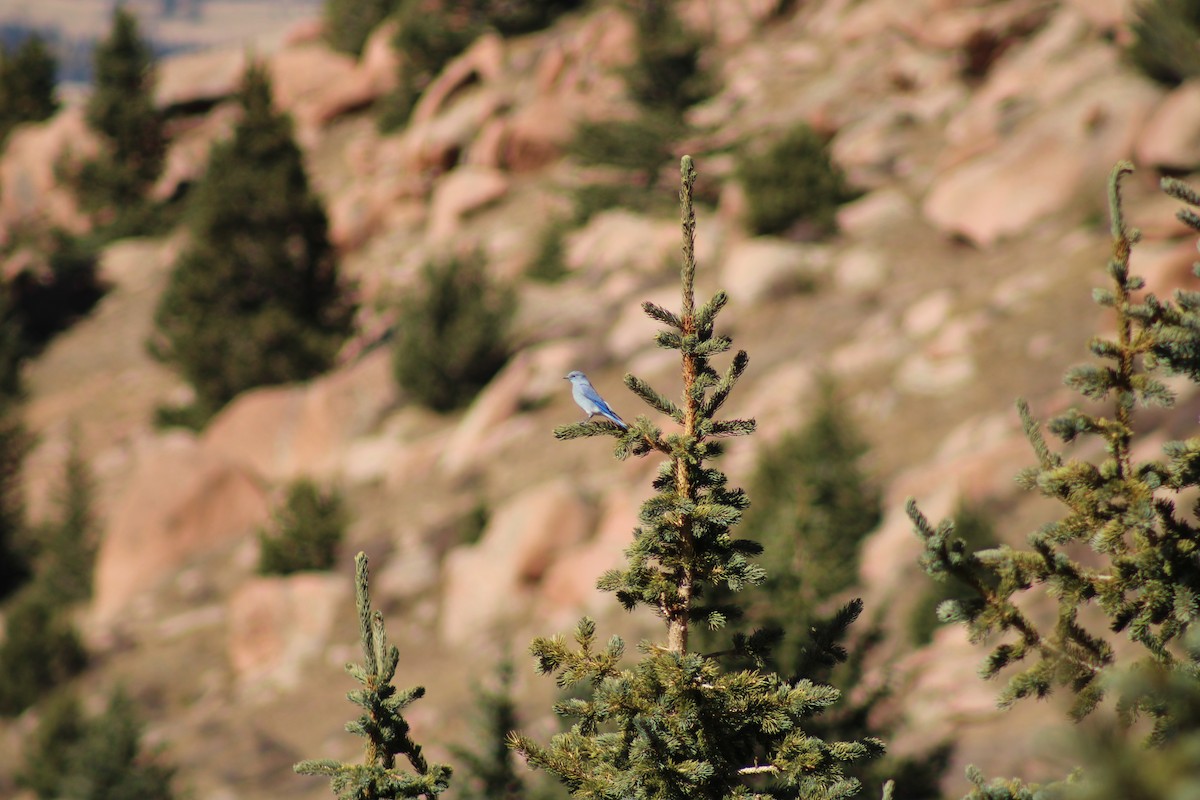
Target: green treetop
pixel 1142 577
pixel 256 298
pixel 121 110
pixel 677 724
pixel 27 81
pixel 381 723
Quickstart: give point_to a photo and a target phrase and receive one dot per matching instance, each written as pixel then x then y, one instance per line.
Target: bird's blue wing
pixel 591 394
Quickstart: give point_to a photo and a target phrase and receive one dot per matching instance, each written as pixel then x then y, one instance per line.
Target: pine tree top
pixel 381 724
pixel 676 723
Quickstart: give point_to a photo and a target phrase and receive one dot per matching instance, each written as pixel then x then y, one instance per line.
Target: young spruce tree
pixel 381 722
pixel 256 298
pixel 121 111
pixel 676 724
pixel 1142 577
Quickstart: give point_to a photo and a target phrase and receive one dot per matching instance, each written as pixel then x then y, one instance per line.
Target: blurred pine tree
pixel 256 298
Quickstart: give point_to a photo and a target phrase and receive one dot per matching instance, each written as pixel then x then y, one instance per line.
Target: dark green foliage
pixel 666 75
pixel 490 767
pixel 1165 36
pixel 101 758
pixel 549 264
pixel 512 17
pixel 974 528
pixel 813 508
pixel 67 545
pixel 1117 769
pixel 40 649
pixel 1142 577
pixel 665 80
pixel 306 531
pixel 430 33
pixel 121 111
pixel 676 723
pixel 452 335
pixel 381 724
pixel 62 287
pixel 256 298
pixel 348 23
pixel 13 348
pixel 27 81
pixel 472 524
pixel 15 443
pixel 47 752
pixel 793 185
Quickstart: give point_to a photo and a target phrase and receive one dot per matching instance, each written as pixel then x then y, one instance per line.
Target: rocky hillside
pixel 981 135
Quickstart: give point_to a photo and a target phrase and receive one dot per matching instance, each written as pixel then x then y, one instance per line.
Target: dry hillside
pixel 960 280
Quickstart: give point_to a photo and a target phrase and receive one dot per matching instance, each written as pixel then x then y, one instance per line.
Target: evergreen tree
pixel 452 334
pixel 770 176
pixel 47 752
pixel 256 297
pixel 381 723
pixel 27 83
pixel 676 723
pixel 121 111
pixel 813 508
pixel 15 443
pixel 307 531
pixel 40 649
pixel 98 758
pixel 490 769
pixel 348 23
pixel 67 547
pixel 1142 578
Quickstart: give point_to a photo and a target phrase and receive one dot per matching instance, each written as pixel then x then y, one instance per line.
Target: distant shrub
pixel 40 651
pixel 305 533
pixel 63 285
pixel 348 23
pixel 452 335
pixel 548 264
pixel 1165 36
pixel 639 148
pixel 665 80
pixel 666 75
pixel 432 32
pixel 429 34
pixel 67 544
pixel 513 17
pixel 99 758
pixel 793 184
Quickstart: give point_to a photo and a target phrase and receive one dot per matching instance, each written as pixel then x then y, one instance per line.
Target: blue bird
pixel 590 400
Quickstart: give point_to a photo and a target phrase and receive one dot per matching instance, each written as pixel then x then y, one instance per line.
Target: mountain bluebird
pixel 590 400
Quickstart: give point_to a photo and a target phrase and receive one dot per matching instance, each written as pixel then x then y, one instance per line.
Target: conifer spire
pixel 676 724
pixel 381 723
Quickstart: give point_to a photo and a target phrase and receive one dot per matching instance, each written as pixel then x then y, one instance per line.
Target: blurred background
pixel 290 279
